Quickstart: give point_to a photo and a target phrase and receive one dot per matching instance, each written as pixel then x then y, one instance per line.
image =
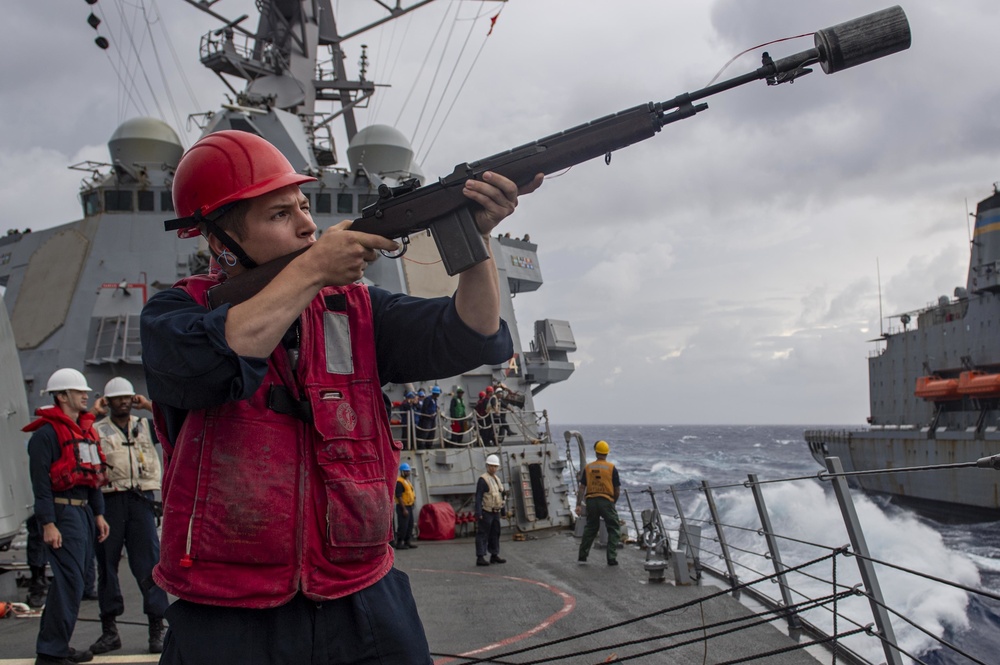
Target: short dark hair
pixel 234 220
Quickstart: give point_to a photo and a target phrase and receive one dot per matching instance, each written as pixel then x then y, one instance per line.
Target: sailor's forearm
pixel 477 298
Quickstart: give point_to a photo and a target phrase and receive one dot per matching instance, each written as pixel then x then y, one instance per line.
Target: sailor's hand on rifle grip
pixel 341 255
pixel 498 197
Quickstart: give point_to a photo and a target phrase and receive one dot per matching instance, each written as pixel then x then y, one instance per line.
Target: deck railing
pixel 698 528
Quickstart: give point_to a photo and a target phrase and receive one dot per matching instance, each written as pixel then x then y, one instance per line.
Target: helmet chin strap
pixel 226 239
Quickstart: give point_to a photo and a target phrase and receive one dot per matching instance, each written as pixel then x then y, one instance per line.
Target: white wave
pixel 986 563
pixel 673 472
pixel 803 510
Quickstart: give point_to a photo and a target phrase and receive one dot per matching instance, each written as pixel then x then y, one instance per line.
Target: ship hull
pixel 970 490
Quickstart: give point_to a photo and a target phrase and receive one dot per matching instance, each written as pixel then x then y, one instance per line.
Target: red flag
pixel 493 22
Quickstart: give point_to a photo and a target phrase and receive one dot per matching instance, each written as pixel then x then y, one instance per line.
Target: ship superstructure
pixel 935 390
pixel 75 291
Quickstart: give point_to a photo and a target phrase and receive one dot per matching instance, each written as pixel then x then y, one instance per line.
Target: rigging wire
pixel 451 76
pixel 939 640
pixel 656 613
pixel 159 66
pixel 437 70
pixel 122 79
pixel 138 56
pixel 177 62
pixel 462 87
pixel 423 65
pixel 380 74
pixel 979 592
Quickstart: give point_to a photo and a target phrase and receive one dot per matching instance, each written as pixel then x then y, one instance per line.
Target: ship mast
pixel 283 68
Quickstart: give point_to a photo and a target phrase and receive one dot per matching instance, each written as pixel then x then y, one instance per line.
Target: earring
pixel 227 258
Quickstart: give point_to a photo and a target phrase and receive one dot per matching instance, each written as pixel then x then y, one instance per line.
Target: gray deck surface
pixel 540 594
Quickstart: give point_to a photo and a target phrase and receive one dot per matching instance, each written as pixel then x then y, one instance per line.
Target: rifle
pixel 441 207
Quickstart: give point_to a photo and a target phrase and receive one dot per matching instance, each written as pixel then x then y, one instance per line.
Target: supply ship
pixel 934 390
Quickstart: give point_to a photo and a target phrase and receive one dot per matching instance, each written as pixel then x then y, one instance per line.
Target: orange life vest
pixel 81 462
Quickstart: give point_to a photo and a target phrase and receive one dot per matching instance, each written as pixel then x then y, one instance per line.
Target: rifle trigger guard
pixel 607 158
pixel 404 244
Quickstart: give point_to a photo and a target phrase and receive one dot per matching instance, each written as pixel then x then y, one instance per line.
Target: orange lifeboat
pixel 937 389
pixel 979 384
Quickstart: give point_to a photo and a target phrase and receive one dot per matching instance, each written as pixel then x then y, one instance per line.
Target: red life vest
pixel 258 504
pixel 81 462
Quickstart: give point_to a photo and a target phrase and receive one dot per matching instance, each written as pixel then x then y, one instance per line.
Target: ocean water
pixel 654 457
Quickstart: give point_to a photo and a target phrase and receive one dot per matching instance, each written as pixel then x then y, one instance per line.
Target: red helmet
pixel 489 389
pixel 482 394
pixel 222 168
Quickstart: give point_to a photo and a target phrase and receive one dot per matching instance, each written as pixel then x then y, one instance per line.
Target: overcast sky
pixel 722 272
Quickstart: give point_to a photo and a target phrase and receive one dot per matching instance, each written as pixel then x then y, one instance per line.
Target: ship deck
pixel 540 595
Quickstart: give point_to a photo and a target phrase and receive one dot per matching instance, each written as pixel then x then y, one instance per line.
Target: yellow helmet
pixel 602 448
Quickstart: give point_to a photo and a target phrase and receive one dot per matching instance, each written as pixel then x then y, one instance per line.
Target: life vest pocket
pixel 345 422
pixel 357 519
pixel 119 464
pixel 241 508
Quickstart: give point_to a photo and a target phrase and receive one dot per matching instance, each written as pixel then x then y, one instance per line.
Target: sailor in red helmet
pixel 67 469
pixel 280 463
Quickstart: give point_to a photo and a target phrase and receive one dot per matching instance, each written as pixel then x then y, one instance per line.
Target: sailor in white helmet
pixel 134 474
pixel 67 467
pixel 490 507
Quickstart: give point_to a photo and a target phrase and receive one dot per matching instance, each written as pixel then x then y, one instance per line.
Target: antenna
pixel 968 214
pixel 878 278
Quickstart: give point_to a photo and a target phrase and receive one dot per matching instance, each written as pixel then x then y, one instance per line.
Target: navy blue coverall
pixel 132 520
pixel 76 524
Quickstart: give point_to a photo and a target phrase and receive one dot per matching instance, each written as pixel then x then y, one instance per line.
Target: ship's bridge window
pixel 146 201
pixel 323 204
pixel 116 200
pixel 166 202
pixel 345 203
pixel 91 204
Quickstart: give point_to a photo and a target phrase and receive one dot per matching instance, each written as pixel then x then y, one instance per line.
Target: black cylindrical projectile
pixel 863 39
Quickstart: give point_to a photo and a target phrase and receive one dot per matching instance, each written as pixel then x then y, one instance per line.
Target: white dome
pixel 381 150
pixel 145 141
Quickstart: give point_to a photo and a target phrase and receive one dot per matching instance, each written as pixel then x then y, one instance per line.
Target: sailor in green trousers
pixel 600 486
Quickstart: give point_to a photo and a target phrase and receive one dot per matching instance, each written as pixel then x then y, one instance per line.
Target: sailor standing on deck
pixel 405 500
pixel 133 476
pixel 490 507
pixel 600 486
pixel 67 467
pixel 280 464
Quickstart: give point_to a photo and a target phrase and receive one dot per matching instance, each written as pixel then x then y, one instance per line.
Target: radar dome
pixel 145 141
pixel 380 149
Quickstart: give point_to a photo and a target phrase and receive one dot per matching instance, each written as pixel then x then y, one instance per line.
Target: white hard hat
pixel 66 379
pixel 493 460
pixel 118 387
